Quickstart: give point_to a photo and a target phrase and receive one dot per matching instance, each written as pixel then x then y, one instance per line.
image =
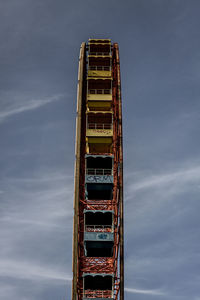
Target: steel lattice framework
pixel 98 254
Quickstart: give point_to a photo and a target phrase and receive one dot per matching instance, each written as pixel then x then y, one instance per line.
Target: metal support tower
pixel 98 238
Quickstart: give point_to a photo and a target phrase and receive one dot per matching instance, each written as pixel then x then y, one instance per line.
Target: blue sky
pixel 160 67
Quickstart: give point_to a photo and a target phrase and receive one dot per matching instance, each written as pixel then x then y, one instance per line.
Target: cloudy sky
pixel 159 44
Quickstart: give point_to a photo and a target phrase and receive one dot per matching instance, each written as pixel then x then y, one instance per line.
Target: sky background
pixel 159 43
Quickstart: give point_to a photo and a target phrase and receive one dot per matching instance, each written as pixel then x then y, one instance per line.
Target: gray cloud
pixel 145 292
pixel 175 178
pixel 16 106
pixel 31 271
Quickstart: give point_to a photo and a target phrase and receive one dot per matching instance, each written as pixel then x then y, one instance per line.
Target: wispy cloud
pixel 48 189
pixel 36 226
pixel 181 176
pixel 16 106
pixel 145 292
pixel 151 194
pixel 31 270
pixel 163 232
